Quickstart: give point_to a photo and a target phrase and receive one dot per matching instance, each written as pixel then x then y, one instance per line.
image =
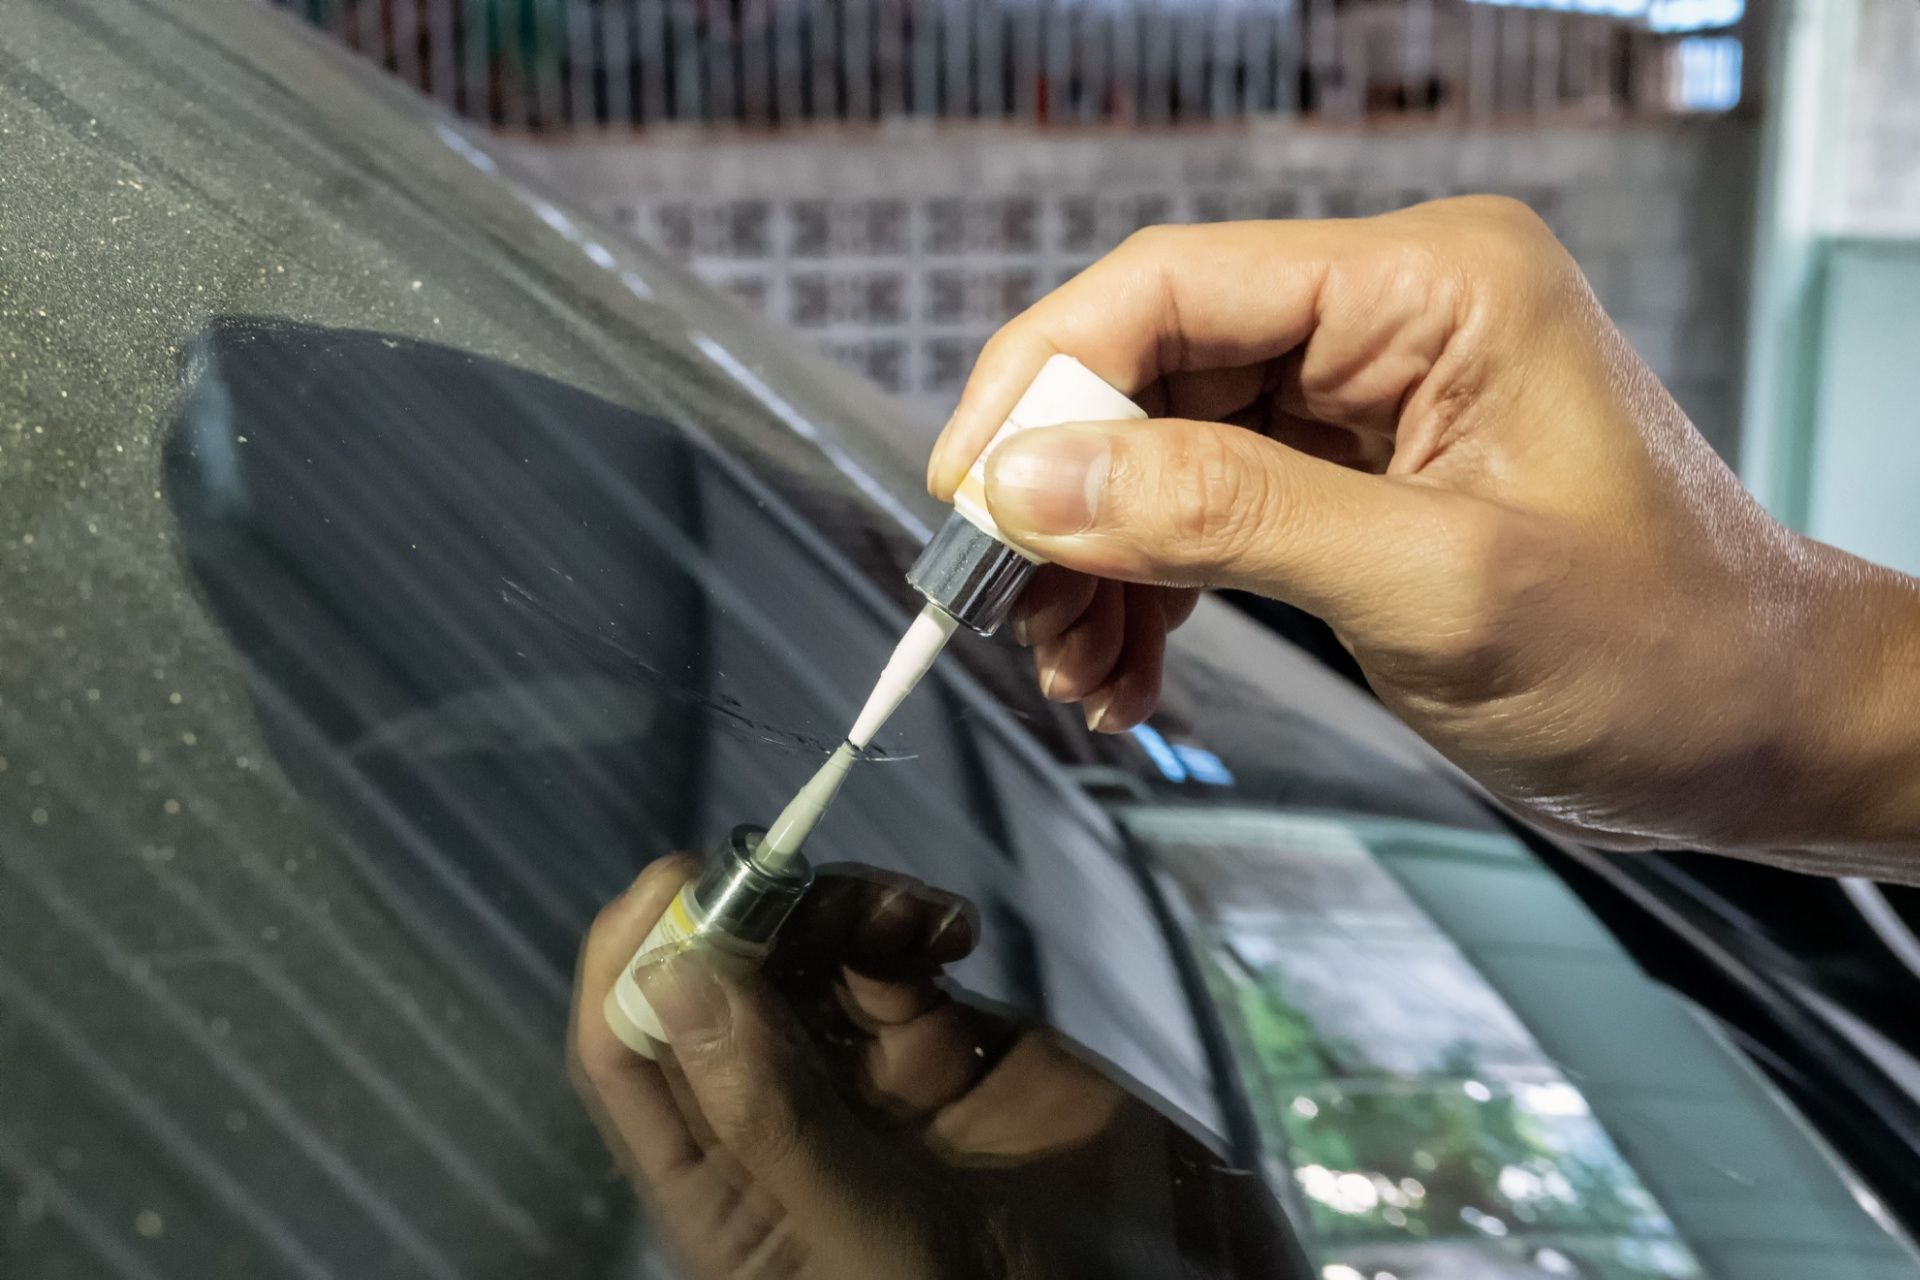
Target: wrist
pixel 1856 722
pixel 1885 710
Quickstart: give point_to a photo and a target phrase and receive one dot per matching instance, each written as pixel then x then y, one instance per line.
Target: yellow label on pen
pixel 674 930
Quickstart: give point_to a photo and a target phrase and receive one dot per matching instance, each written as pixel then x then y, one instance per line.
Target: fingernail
pixel 891 900
pixel 1019 626
pixel 1048 480
pixel 960 914
pixel 1048 674
pixel 1095 709
pixel 686 996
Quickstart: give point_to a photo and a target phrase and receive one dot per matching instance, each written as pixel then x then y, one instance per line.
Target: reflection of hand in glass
pixel 841 1116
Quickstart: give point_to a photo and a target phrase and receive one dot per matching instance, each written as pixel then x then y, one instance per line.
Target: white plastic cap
pixel 1067 391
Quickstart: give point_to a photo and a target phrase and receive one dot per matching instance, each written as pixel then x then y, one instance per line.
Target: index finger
pixel 1167 299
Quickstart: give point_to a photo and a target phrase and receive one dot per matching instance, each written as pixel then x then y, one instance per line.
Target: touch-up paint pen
pixel 967 575
pixel 967 571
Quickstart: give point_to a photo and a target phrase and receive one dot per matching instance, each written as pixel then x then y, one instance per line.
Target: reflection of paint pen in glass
pixel 733 907
pixel 741 897
pixel 748 885
pixel 967 575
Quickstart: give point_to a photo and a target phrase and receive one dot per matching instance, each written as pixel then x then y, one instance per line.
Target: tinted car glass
pixel 1459 1073
pixel 391 573
pixel 393 565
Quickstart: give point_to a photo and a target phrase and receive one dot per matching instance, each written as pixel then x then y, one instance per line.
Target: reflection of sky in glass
pixel 1427 1134
pixel 1407 1005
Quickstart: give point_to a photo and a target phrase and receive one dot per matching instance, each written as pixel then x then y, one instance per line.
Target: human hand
pixel 1422 428
pixel 842 1117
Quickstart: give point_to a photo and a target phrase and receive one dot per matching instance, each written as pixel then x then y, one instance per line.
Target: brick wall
pixel 901 250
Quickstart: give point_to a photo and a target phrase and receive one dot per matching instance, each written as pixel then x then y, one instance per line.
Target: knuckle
pixel 1516 236
pixel 1152 244
pixel 595 1060
pixel 1218 499
pixel 593 1068
pixel 1505 213
pixel 1001 344
pixel 1488 220
pixel 1502 245
pixel 1420 280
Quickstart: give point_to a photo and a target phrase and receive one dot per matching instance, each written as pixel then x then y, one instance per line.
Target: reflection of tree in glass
pixel 1441 1161
pixel 1380 1155
pixel 1272 1041
pixel 1281 1039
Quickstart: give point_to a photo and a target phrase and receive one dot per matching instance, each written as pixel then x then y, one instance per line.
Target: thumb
pixel 1205 504
pixel 755 1079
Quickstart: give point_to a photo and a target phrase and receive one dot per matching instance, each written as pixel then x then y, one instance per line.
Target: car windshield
pixel 393 565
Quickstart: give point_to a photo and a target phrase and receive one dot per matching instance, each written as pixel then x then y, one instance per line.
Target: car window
pixel 392 564
pixel 393 568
